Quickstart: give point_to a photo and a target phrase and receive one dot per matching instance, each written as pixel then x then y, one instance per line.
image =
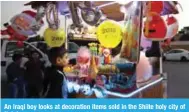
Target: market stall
pixel 120 44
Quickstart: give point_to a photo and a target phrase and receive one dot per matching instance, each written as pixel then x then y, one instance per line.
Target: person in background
pixel 16 78
pixel 55 83
pixel 34 75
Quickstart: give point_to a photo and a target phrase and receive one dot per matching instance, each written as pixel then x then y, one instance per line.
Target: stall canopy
pixel 110 9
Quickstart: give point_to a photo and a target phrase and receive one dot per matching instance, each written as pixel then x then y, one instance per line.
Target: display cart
pixel 155 87
pixel 119 79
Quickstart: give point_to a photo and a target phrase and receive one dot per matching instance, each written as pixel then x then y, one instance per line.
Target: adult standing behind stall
pixel 34 75
pixel 16 78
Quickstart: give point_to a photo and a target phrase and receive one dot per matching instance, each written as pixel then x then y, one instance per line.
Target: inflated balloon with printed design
pixel 54 38
pixel 109 34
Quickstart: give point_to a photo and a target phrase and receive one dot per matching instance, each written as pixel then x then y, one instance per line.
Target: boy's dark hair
pixel 56 52
pixel 16 57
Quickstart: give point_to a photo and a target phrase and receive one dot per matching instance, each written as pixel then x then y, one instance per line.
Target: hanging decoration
pixel 172 26
pixel 154 27
pixel 130 49
pixel 22 26
pixel 13 35
pixel 74 14
pixel 54 36
pixel 109 34
pixel 89 14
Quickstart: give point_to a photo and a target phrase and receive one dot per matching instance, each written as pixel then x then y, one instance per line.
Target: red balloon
pixel 155 27
pixel 155 6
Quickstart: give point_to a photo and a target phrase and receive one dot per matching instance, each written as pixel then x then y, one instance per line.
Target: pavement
pixel 178 79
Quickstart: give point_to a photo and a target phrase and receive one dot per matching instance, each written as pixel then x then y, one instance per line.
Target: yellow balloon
pixel 109 34
pixel 54 38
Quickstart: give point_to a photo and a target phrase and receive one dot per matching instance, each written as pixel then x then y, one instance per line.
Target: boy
pixel 55 76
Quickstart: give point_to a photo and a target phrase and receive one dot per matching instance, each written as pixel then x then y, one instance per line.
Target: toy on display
pixel 107 56
pixel 83 60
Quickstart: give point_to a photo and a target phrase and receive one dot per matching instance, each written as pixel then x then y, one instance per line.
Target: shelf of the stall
pixel 81 41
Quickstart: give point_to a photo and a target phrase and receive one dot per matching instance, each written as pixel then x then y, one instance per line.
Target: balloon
pixel 83 56
pixel 54 38
pixel 109 34
pixel 154 27
pixel 13 35
pixel 25 22
pixel 172 27
pixel 52 16
pixel 155 6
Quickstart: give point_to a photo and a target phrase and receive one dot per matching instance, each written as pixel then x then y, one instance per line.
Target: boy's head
pixel 59 56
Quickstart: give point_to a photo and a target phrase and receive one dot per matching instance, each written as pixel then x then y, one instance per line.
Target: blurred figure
pixel 16 78
pixel 34 75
